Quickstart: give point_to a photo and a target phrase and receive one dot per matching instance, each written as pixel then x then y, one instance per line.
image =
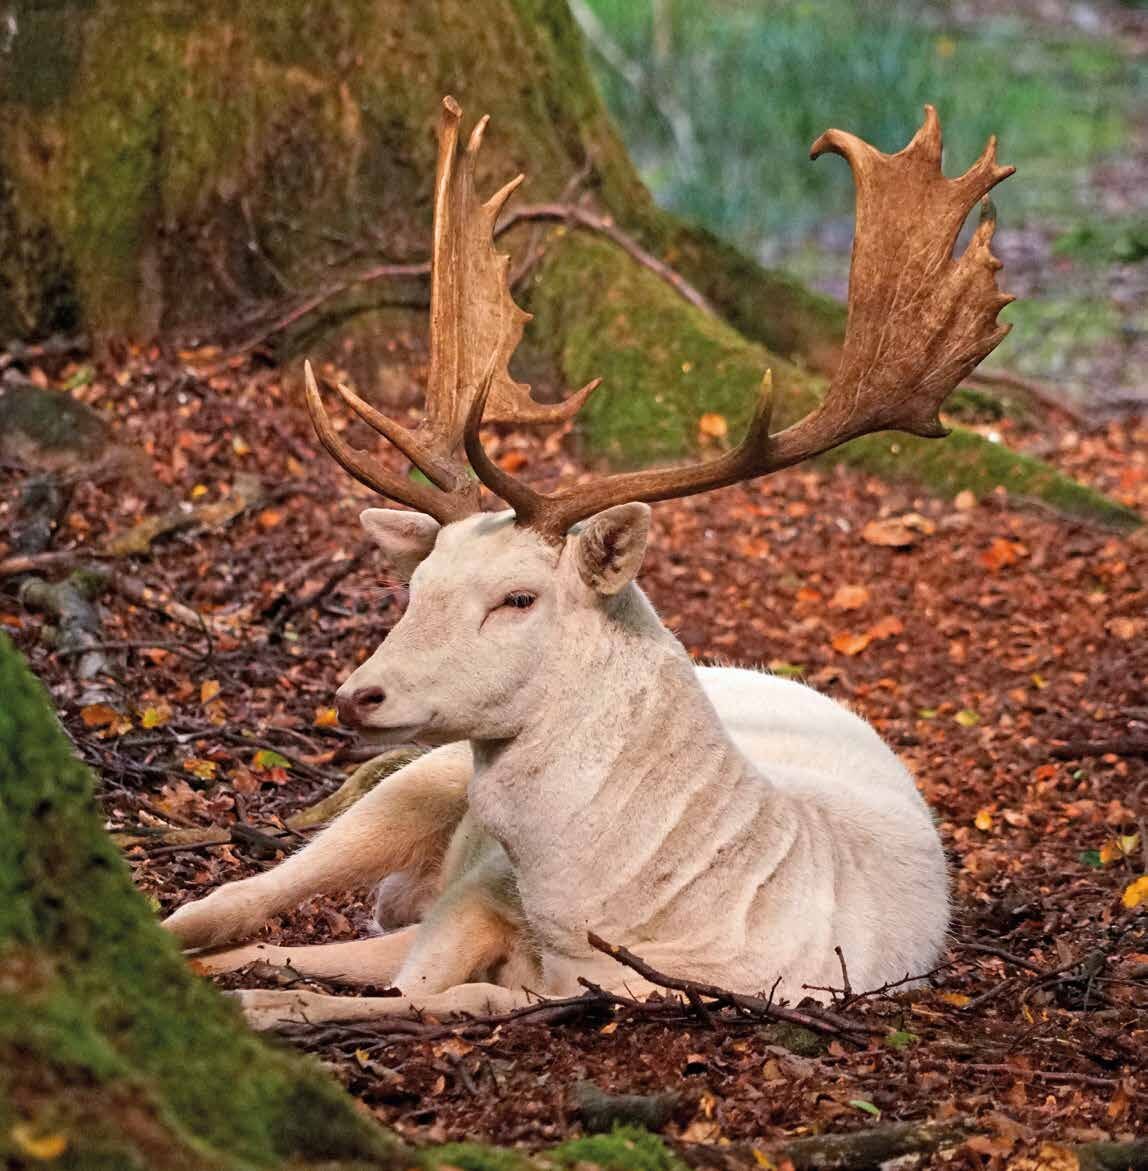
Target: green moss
pixel 627 1148
pixel 97 1006
pixel 475 1157
pixel 665 365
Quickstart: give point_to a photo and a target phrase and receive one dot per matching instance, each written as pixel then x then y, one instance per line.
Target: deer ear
pixel 611 546
pixel 405 537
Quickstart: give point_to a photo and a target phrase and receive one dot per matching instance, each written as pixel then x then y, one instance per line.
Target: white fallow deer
pixel 726 825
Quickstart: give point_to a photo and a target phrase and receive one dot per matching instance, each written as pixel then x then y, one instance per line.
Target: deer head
pixel 494 598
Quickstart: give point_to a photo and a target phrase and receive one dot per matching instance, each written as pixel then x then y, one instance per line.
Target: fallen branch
pixel 863 1149
pixel 818 1021
pixel 72 604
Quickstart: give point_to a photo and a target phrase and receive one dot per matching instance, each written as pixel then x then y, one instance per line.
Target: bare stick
pixel 819 1022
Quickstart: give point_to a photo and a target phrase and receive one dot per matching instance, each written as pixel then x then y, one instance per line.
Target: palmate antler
pixel 475 329
pixel 919 320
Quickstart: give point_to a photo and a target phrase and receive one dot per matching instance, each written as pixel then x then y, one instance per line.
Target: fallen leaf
pixel 270 518
pixel 886 628
pixel 964 501
pixel 1136 892
pixel 891 533
pixel 266 758
pixel 851 644
pixel 862 1104
pixel 326 717
pixel 98 715
pixel 155 717
pixel 956 999
pixel 513 461
pixel 1126 629
pixel 1000 553
pixel 983 820
pixel 38 1146
pixel 967 718
pixel 208 690
pixel 197 766
pixel 849 597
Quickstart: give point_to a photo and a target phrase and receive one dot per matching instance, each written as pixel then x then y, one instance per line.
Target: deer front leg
pixel 405 823
pixel 358 961
pixel 268 1009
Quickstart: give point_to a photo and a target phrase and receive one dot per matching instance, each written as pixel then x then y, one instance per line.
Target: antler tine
pixel 443 506
pixel 551 515
pixel 443 473
pixel 919 320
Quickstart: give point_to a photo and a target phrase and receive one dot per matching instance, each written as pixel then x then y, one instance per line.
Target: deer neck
pixel 627 749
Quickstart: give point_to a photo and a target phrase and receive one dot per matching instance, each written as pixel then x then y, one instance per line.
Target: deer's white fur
pixel 726 825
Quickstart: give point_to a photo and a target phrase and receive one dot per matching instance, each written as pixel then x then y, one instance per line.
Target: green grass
pixel 759 82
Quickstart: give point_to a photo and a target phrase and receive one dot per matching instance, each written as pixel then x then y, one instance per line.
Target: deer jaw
pixel 494 612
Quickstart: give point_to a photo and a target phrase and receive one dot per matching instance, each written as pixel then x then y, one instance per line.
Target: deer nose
pixel 355 707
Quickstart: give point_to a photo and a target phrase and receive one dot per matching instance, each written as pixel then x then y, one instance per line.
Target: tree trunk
pixel 198 169
pixel 111 1052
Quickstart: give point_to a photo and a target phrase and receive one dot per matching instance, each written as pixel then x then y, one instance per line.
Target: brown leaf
pixel 1000 553
pixel 851 644
pixel 890 533
pixel 849 597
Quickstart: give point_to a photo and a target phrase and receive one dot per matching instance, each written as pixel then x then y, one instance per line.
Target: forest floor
pixel 1002 651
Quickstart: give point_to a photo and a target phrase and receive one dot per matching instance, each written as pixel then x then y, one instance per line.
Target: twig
pixel 819 1021
pixel 992 950
pixel 377 272
pixel 343 570
pixel 568 213
pixel 1136 746
pixel 572 213
pixel 1086 1079
pixel 846 987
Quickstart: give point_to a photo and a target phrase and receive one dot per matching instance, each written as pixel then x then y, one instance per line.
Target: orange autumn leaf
pixel 208 690
pixel 198 767
pixel 851 644
pixel 849 597
pixel 886 628
pixel 98 715
pixel 326 717
pixel 513 461
pixel 1000 553
pixel 270 518
pixel 1136 892
pixel 892 533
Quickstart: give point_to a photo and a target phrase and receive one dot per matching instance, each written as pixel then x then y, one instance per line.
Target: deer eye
pixel 519 600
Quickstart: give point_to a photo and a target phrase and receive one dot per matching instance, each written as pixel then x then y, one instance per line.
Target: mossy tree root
pixel 665 364
pixel 109 1045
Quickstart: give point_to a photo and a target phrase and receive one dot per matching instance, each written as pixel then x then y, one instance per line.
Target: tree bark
pixel 192 169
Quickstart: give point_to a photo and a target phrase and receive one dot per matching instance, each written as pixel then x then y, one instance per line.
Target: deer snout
pixel 357 705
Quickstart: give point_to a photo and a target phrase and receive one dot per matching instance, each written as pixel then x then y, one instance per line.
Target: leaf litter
pixel 990 645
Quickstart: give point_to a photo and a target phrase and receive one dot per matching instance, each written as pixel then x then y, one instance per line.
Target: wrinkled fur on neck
pixel 733 854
